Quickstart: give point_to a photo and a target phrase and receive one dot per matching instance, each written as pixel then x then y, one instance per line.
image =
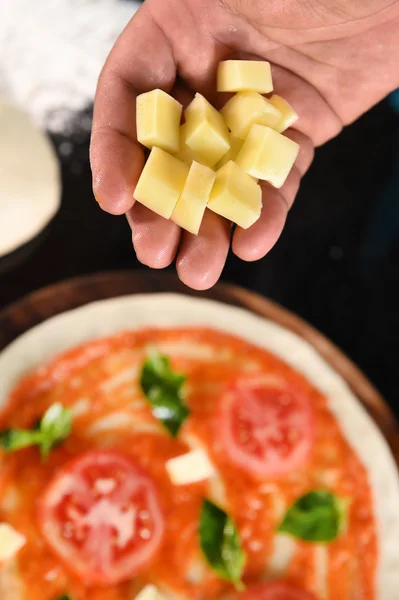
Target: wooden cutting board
pixel 50 301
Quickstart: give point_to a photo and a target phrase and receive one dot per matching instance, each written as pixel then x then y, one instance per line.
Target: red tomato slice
pixel 275 590
pixel 266 429
pixel 101 515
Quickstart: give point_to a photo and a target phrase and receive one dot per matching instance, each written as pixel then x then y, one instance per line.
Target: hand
pixel 331 59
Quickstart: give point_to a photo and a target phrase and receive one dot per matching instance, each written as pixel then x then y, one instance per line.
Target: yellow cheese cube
pixel 236 196
pixel 191 205
pixel 11 541
pixel 244 75
pixel 157 120
pixel 185 153
pixel 149 592
pixel 235 146
pixel 189 468
pixel 246 108
pixel 161 182
pixel 206 131
pixel 267 155
pixel 289 116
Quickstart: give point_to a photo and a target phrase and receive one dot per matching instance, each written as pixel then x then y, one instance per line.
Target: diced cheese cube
pixel 149 592
pixel 206 131
pixel 244 75
pixel 246 108
pixel 191 205
pixel 10 541
pixel 289 116
pixel 190 468
pixel 161 182
pixel 157 120
pixel 236 196
pixel 267 155
pixel 187 154
pixel 235 146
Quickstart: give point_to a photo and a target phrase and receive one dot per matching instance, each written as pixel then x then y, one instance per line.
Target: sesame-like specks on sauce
pixel 105 486
pixel 145 533
pixel 52 574
pixel 99 381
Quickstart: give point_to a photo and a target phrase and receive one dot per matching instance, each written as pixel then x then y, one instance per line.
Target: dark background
pixel 336 265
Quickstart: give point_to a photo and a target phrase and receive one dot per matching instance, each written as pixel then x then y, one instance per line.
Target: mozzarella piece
pixel 236 196
pixel 206 131
pixel 235 146
pixel 247 108
pixel 244 75
pixel 190 468
pixel 267 155
pixel 284 548
pixel 10 541
pixel 161 182
pixel 157 120
pixel 289 116
pixel 149 592
pixel 191 205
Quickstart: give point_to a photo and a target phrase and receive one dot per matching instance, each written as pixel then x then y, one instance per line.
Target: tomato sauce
pixel 99 381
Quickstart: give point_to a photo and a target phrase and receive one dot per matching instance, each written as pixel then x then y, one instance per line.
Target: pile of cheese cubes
pixel 215 159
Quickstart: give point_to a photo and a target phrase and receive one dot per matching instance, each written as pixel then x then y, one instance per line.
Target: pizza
pixel 160 447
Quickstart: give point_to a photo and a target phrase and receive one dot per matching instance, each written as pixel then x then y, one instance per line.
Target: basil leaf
pixel 318 516
pixel 65 597
pixel 53 428
pixel 16 439
pixel 220 543
pixel 163 389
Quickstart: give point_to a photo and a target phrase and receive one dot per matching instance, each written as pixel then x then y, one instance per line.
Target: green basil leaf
pixel 16 439
pixel 65 597
pixel 318 516
pixel 53 428
pixel 163 388
pixel 220 543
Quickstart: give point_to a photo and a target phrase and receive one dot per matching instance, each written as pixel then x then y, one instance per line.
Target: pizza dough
pixel 99 319
pixel 30 186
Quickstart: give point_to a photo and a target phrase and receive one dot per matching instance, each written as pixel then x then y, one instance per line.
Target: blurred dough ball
pixel 30 182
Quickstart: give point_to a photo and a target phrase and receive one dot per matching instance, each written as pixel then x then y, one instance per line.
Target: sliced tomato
pixel 275 590
pixel 101 515
pixel 265 428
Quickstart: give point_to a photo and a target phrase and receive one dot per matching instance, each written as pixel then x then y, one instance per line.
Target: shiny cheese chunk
pixel 191 205
pixel 161 182
pixel 235 146
pixel 244 75
pixel 149 592
pixel 288 114
pixel 10 541
pixel 236 196
pixel 157 120
pixel 206 132
pixel 190 468
pixel 246 108
pixel 267 155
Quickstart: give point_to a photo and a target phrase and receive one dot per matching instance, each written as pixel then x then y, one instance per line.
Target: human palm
pixel 331 60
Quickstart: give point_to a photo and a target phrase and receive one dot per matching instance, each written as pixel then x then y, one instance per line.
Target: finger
pixel 254 243
pixel 154 238
pixel 306 150
pixel 133 66
pixel 201 258
pixel 116 157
